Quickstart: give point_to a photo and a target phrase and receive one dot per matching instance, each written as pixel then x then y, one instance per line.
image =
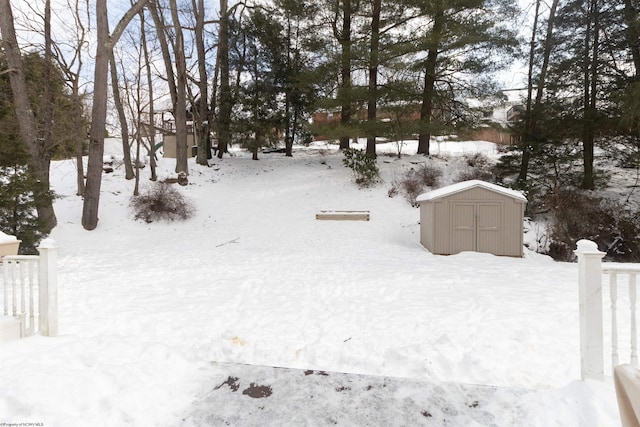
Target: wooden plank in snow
pixel 343 215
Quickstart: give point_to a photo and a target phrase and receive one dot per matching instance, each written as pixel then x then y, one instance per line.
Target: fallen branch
pixel 230 241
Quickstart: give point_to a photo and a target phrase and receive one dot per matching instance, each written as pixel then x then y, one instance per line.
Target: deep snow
pixel 254 279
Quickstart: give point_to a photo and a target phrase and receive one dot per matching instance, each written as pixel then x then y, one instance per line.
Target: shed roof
pixel 465 185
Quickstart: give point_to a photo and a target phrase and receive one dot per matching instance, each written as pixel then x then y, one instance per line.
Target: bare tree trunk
pixel 213 119
pixel 590 91
pixel 161 30
pixel 80 135
pixel 533 107
pixel 224 117
pixel 99 109
pixel 201 119
pixel 428 92
pixel 180 107
pixel 345 72
pixel 374 52
pixel 40 156
pixel 124 127
pixel 527 137
pixel 47 124
pixel 288 130
pixel 98 120
pixel 633 33
pixel 151 125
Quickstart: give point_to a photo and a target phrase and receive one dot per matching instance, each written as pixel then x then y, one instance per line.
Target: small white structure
pixel 9 245
pixel 29 290
pixel 472 216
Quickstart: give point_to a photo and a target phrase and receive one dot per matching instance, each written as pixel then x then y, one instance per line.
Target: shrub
pixel 577 215
pixel 364 167
pixel 476 166
pixel 18 216
pixel 414 182
pixel 161 202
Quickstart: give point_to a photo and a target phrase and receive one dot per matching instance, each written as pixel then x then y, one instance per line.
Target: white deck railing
pixel 631 272
pixel 20 288
pixel 29 290
pixel 591 269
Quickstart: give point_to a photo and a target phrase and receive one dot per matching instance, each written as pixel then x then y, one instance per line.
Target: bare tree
pixel 105 43
pixel 224 115
pixel 180 106
pixel 151 130
pixel 374 53
pixel 201 115
pixel 124 126
pixel 533 106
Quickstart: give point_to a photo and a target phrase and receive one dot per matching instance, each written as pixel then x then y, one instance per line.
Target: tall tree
pixel 374 55
pixel 534 107
pixel 72 67
pixel 345 91
pixel 180 107
pixel 105 43
pixel 39 153
pixel 201 119
pixel 225 104
pixel 456 41
pixel 151 130
pixel 122 117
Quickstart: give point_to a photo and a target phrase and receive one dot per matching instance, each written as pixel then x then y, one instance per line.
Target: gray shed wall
pixel 475 219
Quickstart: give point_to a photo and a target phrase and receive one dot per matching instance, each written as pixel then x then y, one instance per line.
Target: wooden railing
pixel 591 270
pixel 29 290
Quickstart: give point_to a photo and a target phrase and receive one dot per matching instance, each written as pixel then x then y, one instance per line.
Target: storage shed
pixel 472 216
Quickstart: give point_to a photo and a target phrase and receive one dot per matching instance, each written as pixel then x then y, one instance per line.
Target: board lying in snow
pixel 343 215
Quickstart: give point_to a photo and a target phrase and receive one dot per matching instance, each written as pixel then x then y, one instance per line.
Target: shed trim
pixel 466 185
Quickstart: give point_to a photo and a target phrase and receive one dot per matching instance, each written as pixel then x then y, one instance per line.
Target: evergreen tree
pixel 17 206
pixel 451 44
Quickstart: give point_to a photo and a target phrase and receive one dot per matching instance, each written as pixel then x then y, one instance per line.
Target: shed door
pixel 464 227
pixel 489 221
pixel 476 227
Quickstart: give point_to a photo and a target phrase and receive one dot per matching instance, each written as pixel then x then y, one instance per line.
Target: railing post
pixel 590 294
pixel 48 282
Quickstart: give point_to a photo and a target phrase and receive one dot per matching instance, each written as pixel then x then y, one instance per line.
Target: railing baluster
pixel 23 282
pixel 32 266
pixel 613 289
pixel 14 285
pixel 632 303
pixel 5 285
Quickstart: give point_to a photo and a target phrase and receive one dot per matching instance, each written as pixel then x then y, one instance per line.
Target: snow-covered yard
pixel 254 279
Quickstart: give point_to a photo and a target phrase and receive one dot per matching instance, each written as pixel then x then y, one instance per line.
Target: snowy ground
pixel 254 279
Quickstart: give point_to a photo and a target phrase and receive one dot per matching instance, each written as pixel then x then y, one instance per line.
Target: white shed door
pixel 476 226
